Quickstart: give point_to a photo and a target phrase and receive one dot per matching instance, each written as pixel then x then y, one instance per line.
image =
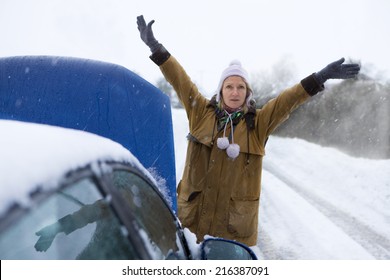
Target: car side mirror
pixel 223 249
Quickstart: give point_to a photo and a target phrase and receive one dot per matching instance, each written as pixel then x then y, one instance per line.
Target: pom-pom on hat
pixel 234 69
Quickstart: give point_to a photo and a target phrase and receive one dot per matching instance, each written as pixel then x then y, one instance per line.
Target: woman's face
pixel 234 91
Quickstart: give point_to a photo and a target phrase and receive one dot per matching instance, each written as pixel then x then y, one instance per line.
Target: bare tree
pixel 266 84
pixel 166 88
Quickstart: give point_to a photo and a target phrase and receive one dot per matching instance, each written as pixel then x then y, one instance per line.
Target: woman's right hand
pixel 146 33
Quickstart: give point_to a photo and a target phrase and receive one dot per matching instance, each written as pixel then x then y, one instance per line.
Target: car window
pixel 74 223
pixel 158 226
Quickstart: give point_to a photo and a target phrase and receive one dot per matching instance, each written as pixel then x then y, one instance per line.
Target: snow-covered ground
pixel 316 202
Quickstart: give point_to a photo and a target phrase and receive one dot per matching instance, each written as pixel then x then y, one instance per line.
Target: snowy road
pixel 316 202
pixel 373 242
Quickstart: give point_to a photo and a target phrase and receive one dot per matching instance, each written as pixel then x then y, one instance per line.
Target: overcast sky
pixel 204 35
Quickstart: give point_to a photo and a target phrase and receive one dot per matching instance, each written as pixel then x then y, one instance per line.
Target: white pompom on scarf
pixel 232 150
pixel 223 143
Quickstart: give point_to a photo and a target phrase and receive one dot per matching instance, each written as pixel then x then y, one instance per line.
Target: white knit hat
pixel 234 69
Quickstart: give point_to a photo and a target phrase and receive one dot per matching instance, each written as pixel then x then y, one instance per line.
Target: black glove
pixel 146 34
pixel 337 70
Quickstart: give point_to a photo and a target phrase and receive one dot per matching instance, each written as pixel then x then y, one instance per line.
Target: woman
pixel 220 189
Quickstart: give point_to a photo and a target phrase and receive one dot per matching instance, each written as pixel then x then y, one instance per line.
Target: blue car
pixel 86 172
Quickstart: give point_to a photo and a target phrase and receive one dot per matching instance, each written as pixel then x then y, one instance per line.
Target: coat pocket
pixel 188 204
pixel 243 216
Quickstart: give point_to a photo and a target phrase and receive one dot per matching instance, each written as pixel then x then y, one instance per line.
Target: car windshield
pixel 74 223
pixel 157 225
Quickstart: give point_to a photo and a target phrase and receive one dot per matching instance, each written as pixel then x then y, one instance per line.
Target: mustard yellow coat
pixel 219 196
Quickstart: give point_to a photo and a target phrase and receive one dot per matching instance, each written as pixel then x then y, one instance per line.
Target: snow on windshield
pixel 33 154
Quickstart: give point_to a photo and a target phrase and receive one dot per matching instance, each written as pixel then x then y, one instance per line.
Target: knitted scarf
pixel 223 117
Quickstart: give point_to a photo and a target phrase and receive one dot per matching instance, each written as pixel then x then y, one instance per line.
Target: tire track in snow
pixel 375 243
pixel 266 250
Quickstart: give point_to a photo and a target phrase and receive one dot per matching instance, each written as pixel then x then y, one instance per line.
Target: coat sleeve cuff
pixel 160 56
pixel 311 85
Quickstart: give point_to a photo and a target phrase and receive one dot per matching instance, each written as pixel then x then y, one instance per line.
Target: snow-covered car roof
pixel 39 155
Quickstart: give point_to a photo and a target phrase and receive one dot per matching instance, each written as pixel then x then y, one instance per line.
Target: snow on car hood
pixel 39 155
